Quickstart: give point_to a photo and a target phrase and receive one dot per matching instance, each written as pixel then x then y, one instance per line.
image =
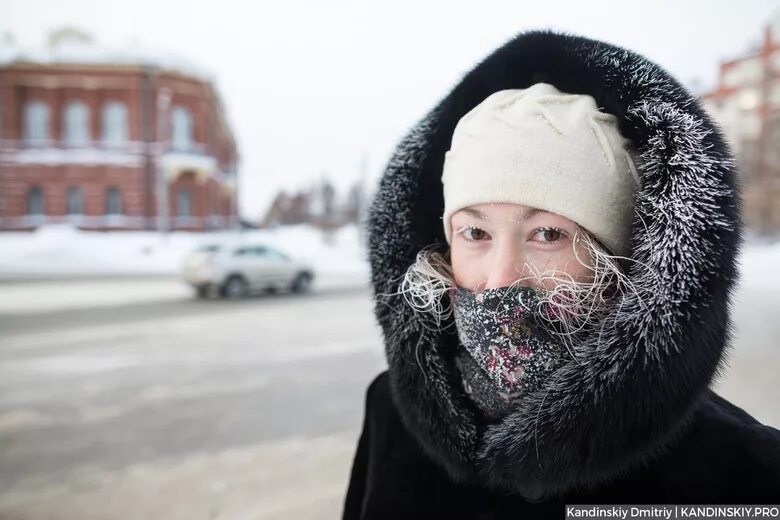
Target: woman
pixel 553 250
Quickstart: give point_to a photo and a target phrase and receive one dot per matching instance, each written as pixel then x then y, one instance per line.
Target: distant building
pixel 319 206
pixel 746 102
pixel 111 140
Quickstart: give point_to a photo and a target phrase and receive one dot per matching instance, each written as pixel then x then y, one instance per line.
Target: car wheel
pixel 235 288
pixel 202 291
pixel 302 283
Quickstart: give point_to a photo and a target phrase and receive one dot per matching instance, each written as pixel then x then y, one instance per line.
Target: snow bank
pixel 62 250
pixel 760 265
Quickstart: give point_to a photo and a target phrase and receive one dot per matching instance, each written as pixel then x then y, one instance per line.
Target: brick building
pixel 110 141
pixel 746 102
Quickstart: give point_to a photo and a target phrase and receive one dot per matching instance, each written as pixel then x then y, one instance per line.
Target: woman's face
pixel 495 244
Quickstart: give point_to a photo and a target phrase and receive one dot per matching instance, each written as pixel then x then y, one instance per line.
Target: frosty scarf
pixel 506 351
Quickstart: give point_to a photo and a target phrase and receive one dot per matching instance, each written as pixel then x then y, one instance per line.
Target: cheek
pixel 466 268
pixel 563 264
pixel 580 265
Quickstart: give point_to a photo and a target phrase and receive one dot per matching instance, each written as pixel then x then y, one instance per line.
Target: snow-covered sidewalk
pixel 61 268
pixel 63 251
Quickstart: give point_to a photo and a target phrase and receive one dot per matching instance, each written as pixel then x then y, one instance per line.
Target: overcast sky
pixel 311 87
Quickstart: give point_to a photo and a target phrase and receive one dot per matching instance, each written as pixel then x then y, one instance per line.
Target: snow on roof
pixel 74 48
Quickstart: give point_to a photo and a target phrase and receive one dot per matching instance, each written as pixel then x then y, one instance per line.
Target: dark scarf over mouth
pixel 508 347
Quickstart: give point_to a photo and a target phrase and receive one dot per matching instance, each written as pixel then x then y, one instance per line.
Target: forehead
pixel 503 210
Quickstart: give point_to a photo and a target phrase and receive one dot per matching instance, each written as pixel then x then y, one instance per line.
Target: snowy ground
pixel 60 251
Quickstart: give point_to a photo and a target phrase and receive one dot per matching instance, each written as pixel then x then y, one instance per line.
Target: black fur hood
pixel 634 385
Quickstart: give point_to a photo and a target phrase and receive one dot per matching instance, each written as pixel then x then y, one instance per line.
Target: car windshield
pixel 260 251
pixel 277 254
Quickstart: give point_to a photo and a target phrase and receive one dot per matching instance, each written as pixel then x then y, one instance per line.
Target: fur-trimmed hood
pixel 634 382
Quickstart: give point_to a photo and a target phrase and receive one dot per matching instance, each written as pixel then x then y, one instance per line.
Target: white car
pixel 236 270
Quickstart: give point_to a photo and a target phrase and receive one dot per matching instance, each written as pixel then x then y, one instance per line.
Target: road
pixel 177 408
pixel 156 405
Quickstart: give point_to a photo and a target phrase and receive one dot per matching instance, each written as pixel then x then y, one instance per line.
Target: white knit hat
pixel 546 149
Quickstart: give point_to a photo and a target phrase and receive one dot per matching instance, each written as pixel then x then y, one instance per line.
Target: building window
pixel 75 201
pixel 181 123
pixel 114 124
pixel 113 201
pixel 183 203
pixel 76 124
pixel 36 122
pixel 35 201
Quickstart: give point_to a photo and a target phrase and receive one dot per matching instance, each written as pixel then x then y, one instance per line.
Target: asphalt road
pixel 178 408
pixel 130 399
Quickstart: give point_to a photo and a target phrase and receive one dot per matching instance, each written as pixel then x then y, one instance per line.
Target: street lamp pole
pixel 163 206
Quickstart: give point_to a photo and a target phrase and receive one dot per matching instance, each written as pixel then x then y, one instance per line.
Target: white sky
pixel 312 86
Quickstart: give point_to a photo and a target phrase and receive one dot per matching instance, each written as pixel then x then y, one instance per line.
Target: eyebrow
pixel 519 215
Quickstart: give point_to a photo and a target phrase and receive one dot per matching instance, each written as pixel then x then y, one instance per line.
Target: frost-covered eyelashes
pixel 475 233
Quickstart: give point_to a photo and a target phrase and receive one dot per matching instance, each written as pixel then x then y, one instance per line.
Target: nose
pixel 506 265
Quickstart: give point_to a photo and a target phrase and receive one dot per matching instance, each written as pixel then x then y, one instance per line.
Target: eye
pixel 551 235
pixel 471 233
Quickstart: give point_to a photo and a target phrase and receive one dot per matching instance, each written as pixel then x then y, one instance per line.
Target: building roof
pixel 72 47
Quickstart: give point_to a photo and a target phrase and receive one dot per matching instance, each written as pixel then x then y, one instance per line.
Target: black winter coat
pixel 632 418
